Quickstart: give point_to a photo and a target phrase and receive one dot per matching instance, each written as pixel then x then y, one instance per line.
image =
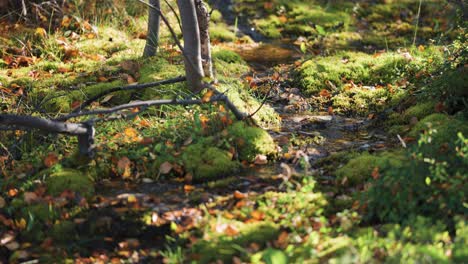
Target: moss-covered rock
pixel 228 56
pixel 222 247
pixel 207 162
pixel 251 141
pixel 366 166
pixel 365 69
pixel 63 231
pixel 69 179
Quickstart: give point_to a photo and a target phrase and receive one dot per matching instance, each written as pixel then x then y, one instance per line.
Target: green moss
pixel 3 64
pixel 63 231
pixel 224 248
pixel 460 247
pixel 69 179
pixel 216 16
pixel 251 141
pixel 47 65
pixel 221 32
pixel 228 56
pixel 269 26
pixel 206 162
pixel 359 170
pixel 362 68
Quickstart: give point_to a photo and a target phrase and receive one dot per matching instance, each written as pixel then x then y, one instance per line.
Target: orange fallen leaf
pixel 12 192
pixel 207 96
pixel 231 230
pixel 189 188
pixel 257 215
pixel 375 173
pixel 50 160
pixel 238 195
pixel 325 93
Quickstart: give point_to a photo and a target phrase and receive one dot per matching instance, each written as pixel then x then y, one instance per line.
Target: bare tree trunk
pixel 203 25
pixel 190 30
pixel 152 38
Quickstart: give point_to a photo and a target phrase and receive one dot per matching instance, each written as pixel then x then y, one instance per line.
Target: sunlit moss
pixel 251 141
pixel 366 166
pixel 213 163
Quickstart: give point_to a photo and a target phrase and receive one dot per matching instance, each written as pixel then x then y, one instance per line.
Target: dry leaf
pixel 41 32
pixel 325 93
pixel 239 195
pixel 231 230
pixel 131 199
pixel 257 215
pixel 375 173
pixel 30 197
pixel 124 167
pixel 50 160
pixel 165 168
pixel 261 159
pixel 207 96
pixel 12 192
pixel 189 188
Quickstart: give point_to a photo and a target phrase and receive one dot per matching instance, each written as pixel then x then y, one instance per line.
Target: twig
pixel 148 103
pixel 126 88
pixel 263 102
pixel 175 14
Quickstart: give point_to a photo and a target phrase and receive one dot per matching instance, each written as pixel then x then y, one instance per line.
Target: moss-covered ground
pixel 359 155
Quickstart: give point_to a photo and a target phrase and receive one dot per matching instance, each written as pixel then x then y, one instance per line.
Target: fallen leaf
pixel 207 96
pixel 41 32
pixel 189 188
pixel 257 215
pixel 131 199
pixel 123 165
pixel 239 195
pixel 30 197
pixel 12 192
pixel 325 93
pixel 375 173
pixel 50 160
pixel 261 159
pixel 165 168
pixel 231 230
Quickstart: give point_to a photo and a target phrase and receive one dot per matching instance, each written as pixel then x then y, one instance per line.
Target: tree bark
pixel 84 132
pixel 152 38
pixel 192 49
pixel 203 17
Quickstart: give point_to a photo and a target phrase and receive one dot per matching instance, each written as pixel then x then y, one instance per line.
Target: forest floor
pixel 358 155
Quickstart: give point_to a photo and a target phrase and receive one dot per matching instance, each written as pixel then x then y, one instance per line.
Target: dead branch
pixel 126 88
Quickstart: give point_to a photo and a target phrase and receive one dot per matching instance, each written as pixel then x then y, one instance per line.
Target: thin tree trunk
pixel 152 38
pixel 203 25
pixel 192 58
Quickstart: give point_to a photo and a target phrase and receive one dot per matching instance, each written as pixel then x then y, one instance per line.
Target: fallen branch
pixel 84 131
pixel 216 98
pixel 126 88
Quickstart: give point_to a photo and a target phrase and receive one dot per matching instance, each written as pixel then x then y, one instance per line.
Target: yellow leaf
pixel 131 198
pixel 20 224
pixel 41 32
pixel 421 48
